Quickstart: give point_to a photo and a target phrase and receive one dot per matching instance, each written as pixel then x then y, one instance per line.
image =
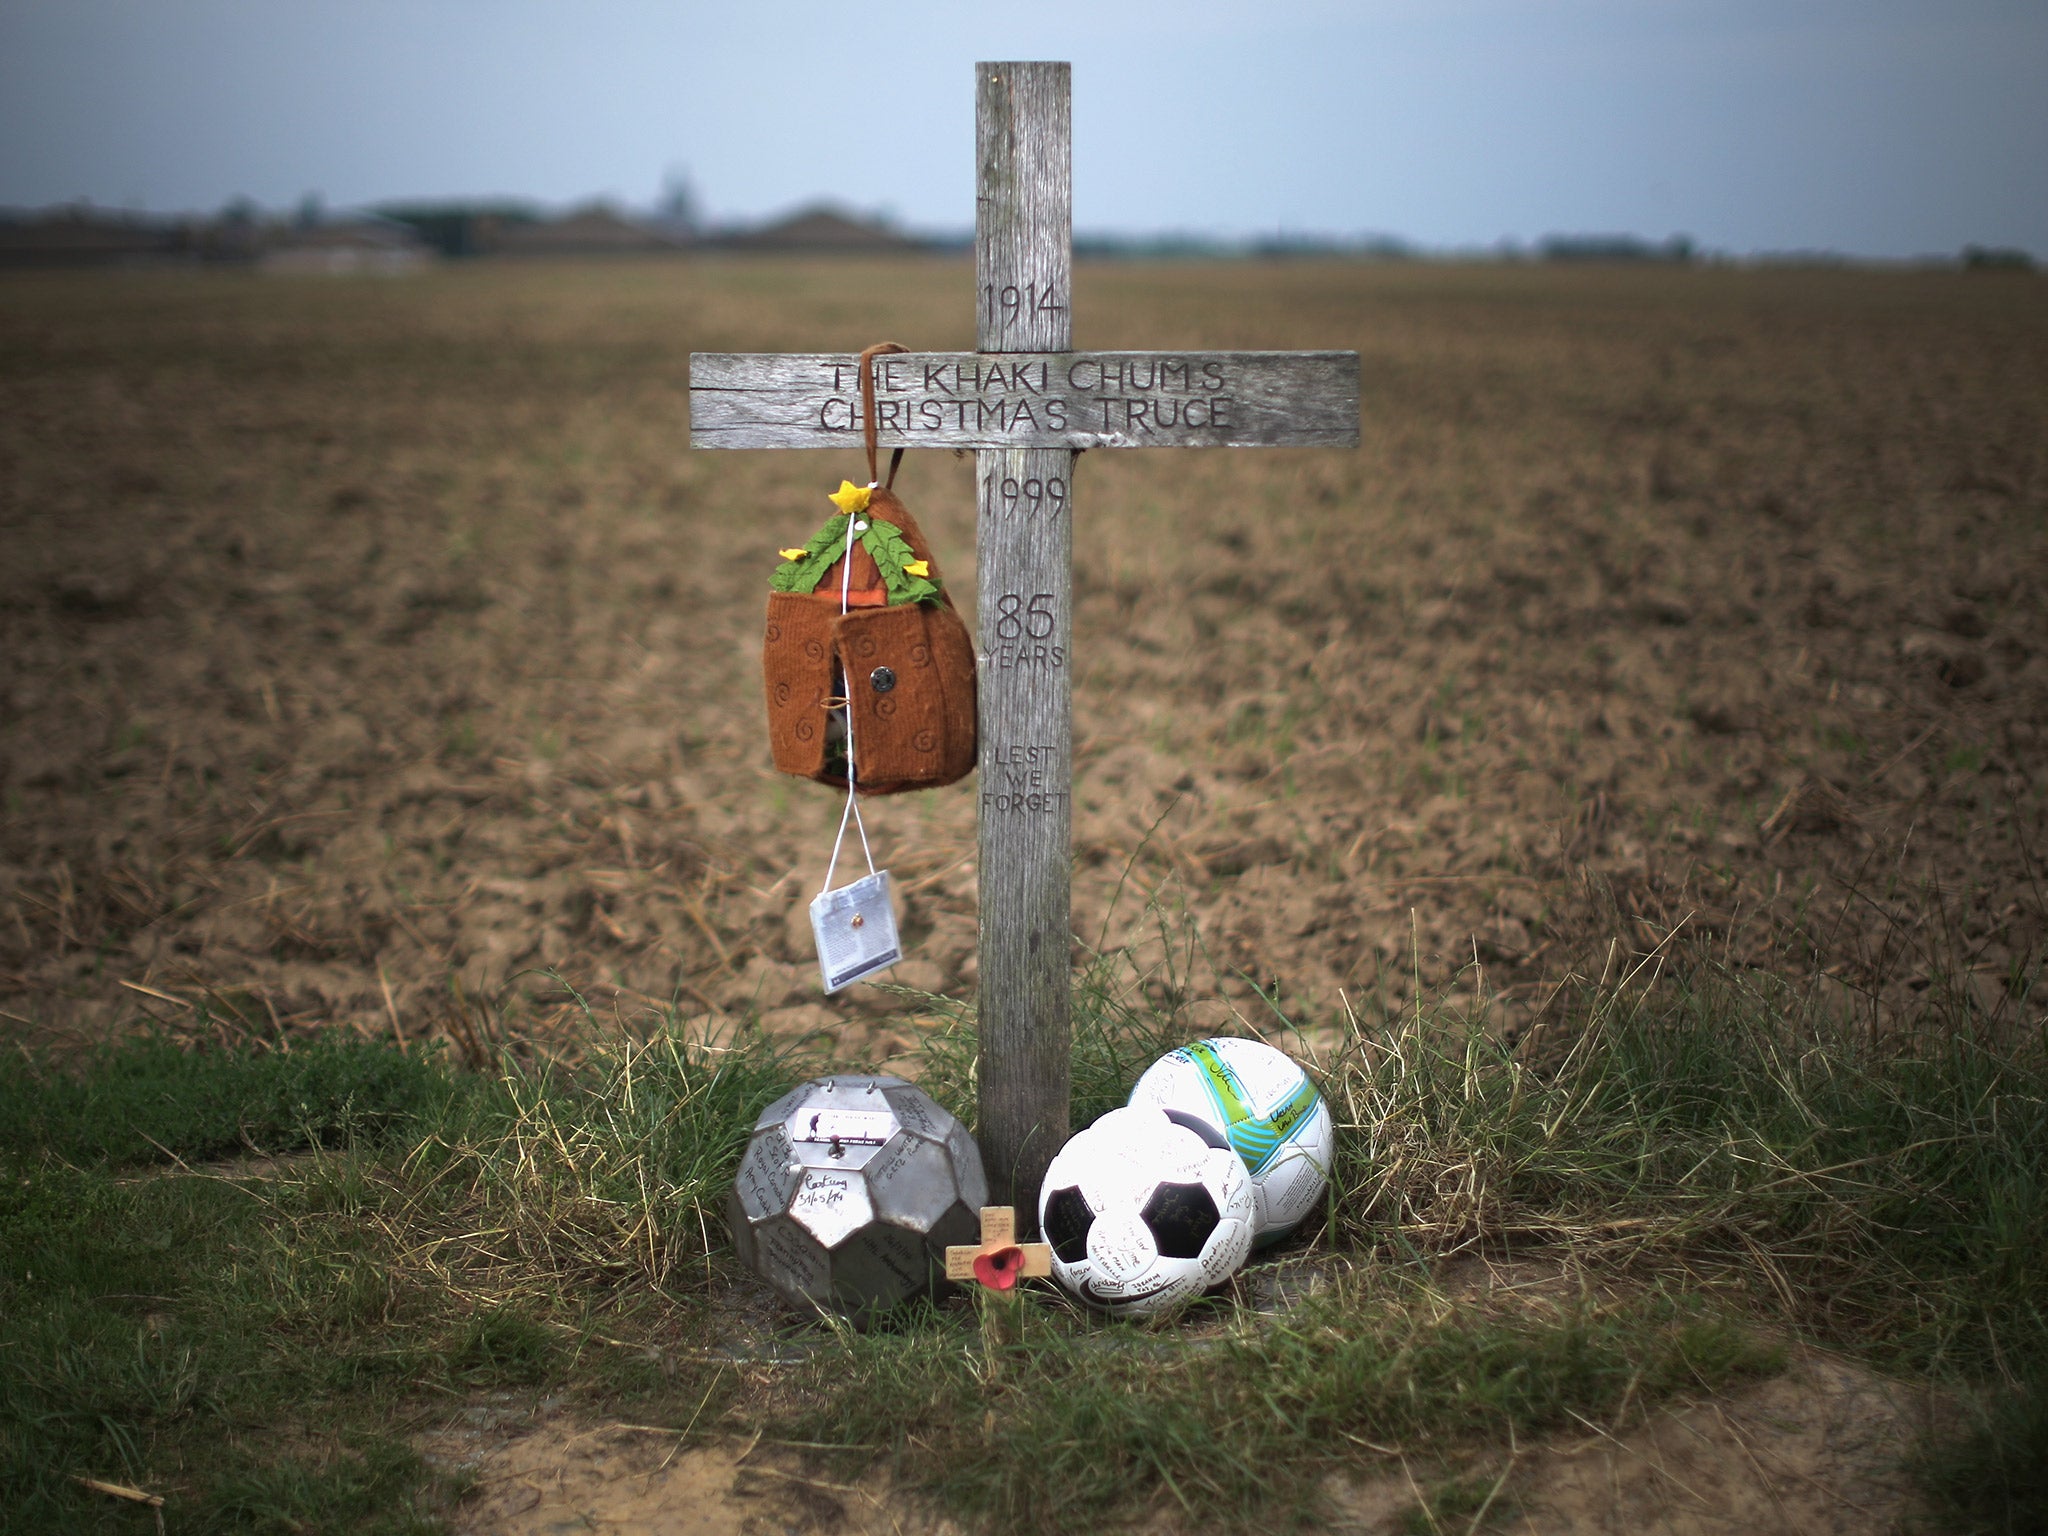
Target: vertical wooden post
pixel 1023 260
pixel 1025 401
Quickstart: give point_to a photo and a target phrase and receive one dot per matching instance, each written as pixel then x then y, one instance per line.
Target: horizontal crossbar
pixel 1072 400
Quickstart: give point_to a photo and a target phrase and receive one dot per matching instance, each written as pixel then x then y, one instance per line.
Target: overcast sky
pixel 1875 127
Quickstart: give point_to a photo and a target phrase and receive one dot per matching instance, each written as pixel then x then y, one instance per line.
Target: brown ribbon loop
pixel 867 405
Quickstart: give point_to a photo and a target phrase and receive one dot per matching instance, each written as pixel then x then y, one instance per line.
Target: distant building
pixel 821 230
pixel 369 244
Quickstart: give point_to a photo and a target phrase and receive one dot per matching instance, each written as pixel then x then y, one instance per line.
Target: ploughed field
pixel 379 652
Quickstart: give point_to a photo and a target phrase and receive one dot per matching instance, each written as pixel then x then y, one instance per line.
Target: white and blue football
pixel 1262 1102
pixel 1143 1211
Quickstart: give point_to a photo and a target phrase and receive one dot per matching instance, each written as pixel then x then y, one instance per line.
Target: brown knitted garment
pixel 903 674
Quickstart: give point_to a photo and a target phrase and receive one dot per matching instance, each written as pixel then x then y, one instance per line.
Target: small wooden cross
pixel 1027 403
pixel 998 1261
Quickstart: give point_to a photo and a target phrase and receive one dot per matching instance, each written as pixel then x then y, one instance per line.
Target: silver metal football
pixel 849 1192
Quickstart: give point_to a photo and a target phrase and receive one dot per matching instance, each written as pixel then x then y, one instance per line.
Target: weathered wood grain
pixel 1022 262
pixel 1025 782
pixel 1023 207
pixel 1035 399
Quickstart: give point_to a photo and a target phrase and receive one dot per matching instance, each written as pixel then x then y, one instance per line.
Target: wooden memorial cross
pixel 998 1261
pixel 1027 403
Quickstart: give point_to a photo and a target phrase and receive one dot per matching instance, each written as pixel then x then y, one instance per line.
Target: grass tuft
pixel 610 1172
pixel 1886 1193
pixel 1124 1015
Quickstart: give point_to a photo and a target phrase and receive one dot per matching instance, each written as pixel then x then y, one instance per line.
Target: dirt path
pixel 1814 1452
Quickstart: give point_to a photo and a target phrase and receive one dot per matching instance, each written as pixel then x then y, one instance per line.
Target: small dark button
pixel 883 679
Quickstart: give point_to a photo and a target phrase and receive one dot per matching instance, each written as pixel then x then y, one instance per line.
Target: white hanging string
pixel 853 524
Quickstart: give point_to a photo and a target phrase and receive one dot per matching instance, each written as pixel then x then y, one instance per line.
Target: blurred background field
pixel 1623 772
pixel 377 651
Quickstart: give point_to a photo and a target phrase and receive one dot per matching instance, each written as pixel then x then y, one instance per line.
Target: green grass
pixel 1079 1423
pixel 1704 1164
pixel 169 1332
pixel 261 1349
pixel 611 1174
pixel 1891 1194
pixel 153 1099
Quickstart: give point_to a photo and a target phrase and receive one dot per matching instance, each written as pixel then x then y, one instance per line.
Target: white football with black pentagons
pixel 1263 1103
pixel 1144 1209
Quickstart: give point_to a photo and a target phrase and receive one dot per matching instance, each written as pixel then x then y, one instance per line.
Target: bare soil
pixel 556 1474
pixel 370 649
pixel 376 652
pixel 1816 1451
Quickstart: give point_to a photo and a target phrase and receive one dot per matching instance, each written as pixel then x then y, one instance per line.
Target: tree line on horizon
pixel 406 233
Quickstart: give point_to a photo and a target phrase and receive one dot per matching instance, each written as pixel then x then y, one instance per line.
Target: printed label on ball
pixel 856 931
pixel 859 1127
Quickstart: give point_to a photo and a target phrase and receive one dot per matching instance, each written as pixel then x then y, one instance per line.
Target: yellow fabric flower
pixel 850 498
pixel 918 567
pixel 791 554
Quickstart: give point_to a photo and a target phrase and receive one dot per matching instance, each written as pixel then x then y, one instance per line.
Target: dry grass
pixel 1703 1165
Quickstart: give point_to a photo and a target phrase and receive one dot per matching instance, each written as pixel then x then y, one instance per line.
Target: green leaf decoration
pixel 892 552
pixel 805 572
pixel 883 540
